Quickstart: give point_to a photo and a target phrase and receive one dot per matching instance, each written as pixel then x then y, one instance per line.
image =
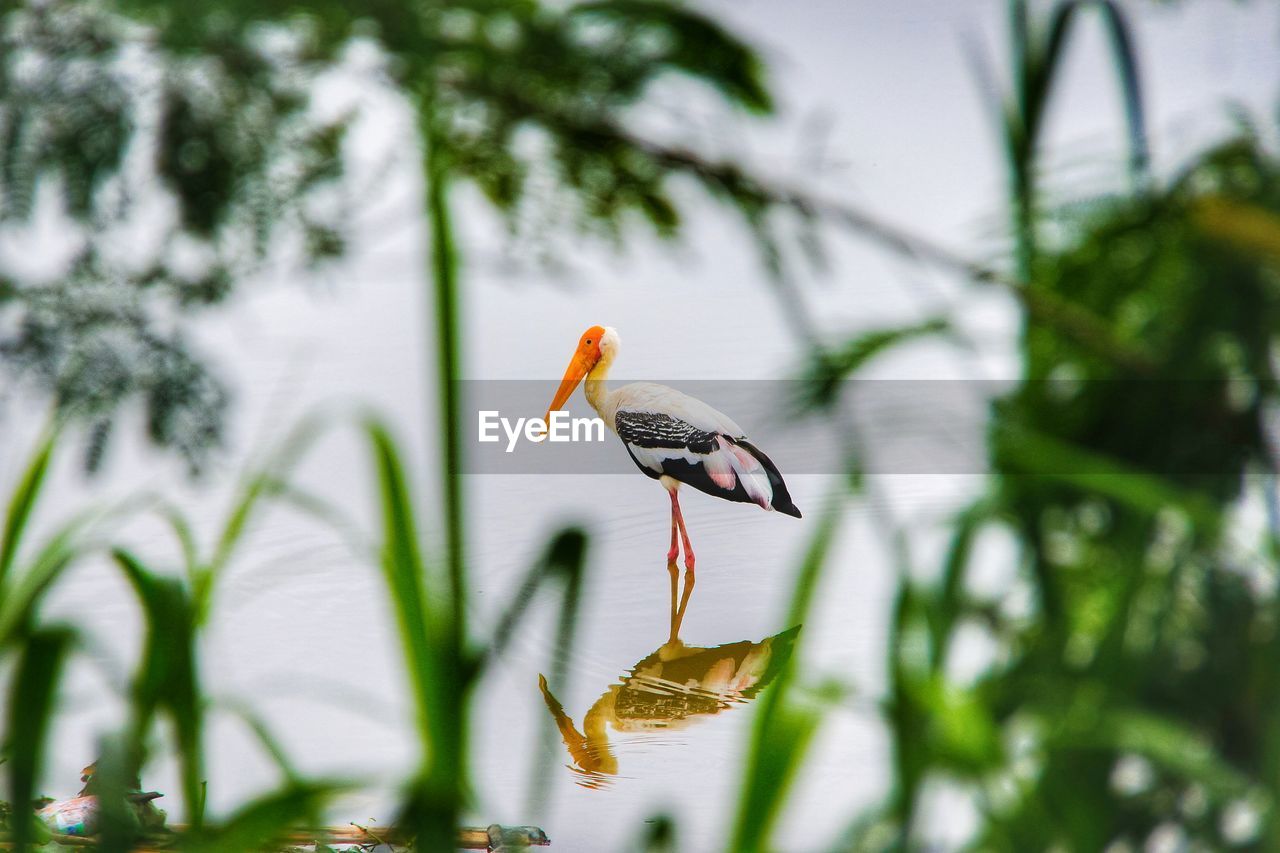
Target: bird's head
pixel 599 343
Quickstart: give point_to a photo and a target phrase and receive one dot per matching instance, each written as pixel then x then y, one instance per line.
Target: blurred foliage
pixel 821 381
pixel 507 95
pixel 169 175
pixel 1132 687
pixel 1151 642
pixel 181 145
pixel 191 128
pixel 516 87
pixel 168 683
pixel 1130 695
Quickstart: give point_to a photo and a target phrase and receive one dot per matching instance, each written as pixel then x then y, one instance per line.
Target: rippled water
pixel 648 725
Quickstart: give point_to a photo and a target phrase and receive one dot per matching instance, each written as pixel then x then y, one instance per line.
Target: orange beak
pixel 579 366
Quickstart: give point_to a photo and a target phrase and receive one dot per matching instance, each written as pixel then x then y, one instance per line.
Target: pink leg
pixel 678 619
pixel 677 526
pixel 676 616
pixel 675 511
pixel 684 534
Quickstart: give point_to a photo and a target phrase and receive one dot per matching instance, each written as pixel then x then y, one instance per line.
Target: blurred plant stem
pixel 784 726
pixel 445 263
pixel 444 781
pixel 1036 48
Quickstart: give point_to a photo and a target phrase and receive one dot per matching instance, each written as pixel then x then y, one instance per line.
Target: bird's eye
pixel 588 341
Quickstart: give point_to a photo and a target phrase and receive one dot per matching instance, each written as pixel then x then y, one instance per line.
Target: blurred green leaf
pixel 1028 454
pixel 1036 53
pixel 22 502
pixel 562 562
pixel 1246 226
pixel 783 727
pixel 168 677
pixel 961 735
pixel 235 157
pixel 267 820
pixel 31 708
pixel 269 480
pixel 439 668
pixel 1173 746
pixel 21 598
pixel 948 608
pixel 829 368
pixel 694 44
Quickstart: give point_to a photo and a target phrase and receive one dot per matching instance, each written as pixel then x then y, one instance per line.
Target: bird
pixel 674 439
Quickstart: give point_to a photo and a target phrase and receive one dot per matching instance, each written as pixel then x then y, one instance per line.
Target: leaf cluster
pixel 172 175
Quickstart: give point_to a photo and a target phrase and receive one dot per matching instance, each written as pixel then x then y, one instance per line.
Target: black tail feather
pixel 781 497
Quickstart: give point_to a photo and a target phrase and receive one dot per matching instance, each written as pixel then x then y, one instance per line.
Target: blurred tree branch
pixel 168 177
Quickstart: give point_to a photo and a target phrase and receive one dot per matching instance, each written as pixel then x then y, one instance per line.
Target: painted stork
pixel 674 439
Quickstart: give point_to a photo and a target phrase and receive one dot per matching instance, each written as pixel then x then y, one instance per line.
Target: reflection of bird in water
pixel 674 439
pixel 670 688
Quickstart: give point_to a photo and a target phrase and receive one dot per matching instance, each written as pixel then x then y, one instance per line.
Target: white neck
pixel 597 392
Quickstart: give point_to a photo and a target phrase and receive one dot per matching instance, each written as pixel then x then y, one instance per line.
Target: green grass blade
pixel 1030 453
pixel 439 670
pixel 265 822
pixel 68 544
pixel 1044 69
pixel 814 561
pixel 263 483
pixel 32 703
pixel 168 678
pixel 445 264
pixel 20 600
pixel 782 728
pixel 1035 68
pixel 23 501
pixel 829 368
pixel 266 739
pixel 116 775
pixel 404 572
pixel 782 735
pixel 1126 63
pixel 950 598
pixel 564 560
pixel 186 539
pixel 905 726
pixel 1019 41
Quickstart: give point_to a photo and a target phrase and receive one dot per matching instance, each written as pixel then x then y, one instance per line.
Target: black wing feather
pixel 650 429
pixel 655 430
